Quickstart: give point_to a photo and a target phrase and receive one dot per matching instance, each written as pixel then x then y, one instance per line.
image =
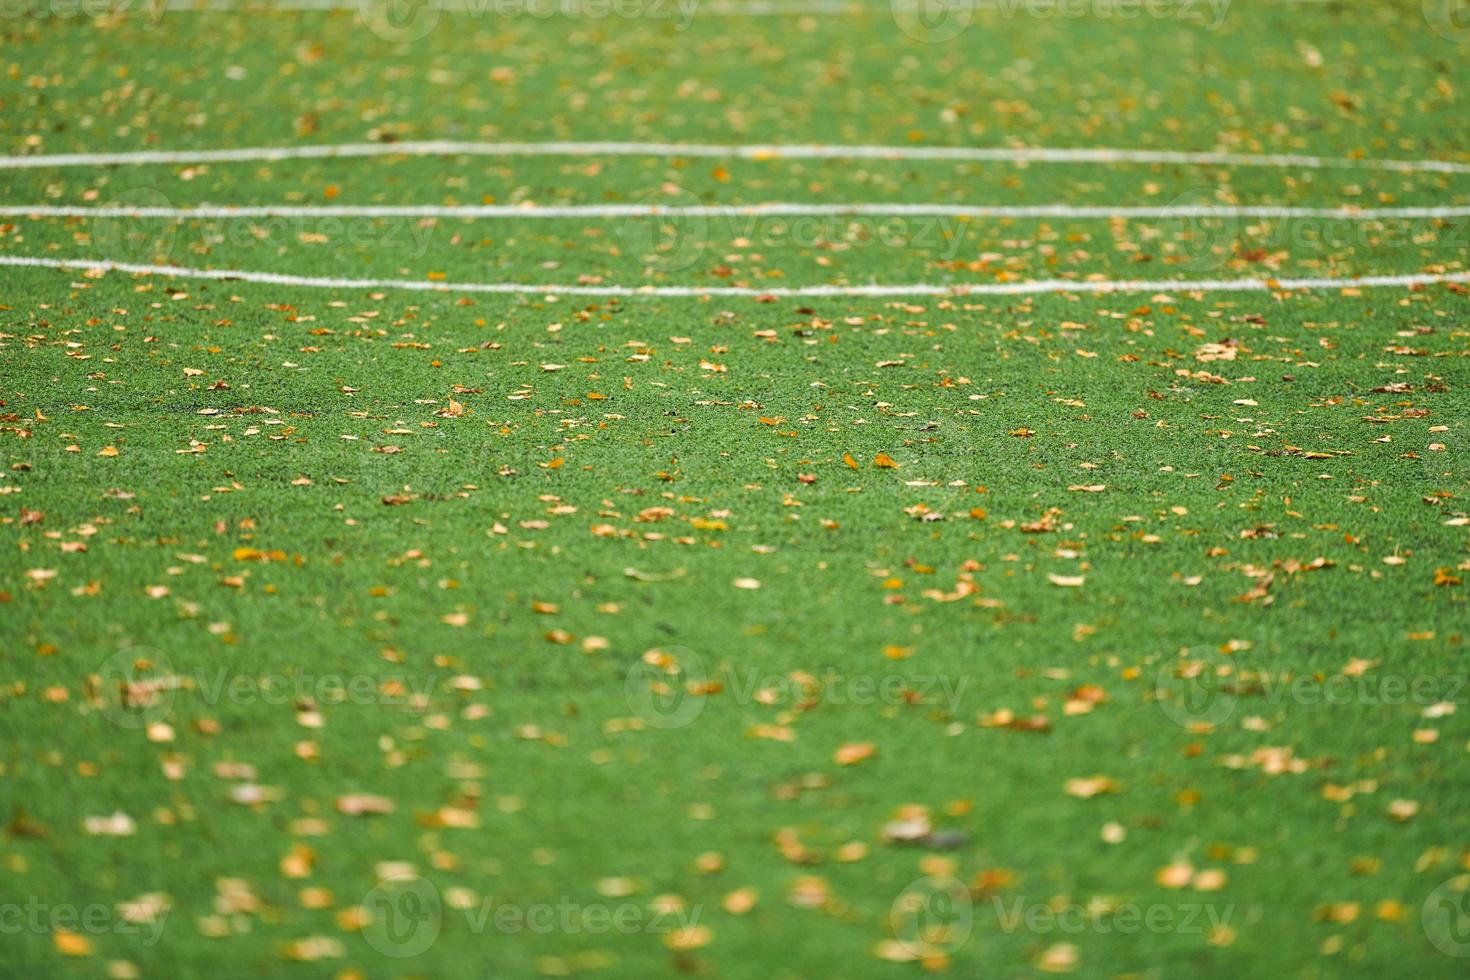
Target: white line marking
pixel 971 154
pixel 205 211
pixel 876 289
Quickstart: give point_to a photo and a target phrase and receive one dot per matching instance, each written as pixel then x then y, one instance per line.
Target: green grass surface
pixel 1158 611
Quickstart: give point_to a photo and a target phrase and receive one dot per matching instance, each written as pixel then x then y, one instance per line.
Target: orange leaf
pixel 853 753
pixel 71 944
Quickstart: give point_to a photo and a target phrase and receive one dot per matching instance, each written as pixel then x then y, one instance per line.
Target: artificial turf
pixel 1124 633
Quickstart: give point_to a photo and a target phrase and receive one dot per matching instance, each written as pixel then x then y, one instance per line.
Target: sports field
pixel 735 489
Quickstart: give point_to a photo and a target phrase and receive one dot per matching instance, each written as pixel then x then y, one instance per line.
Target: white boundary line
pixel 914 289
pixel 756 152
pixel 206 211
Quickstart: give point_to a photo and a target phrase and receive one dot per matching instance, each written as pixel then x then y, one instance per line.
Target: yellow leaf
pixel 363 804
pixel 689 937
pixel 1058 958
pixel 740 901
pixel 1086 787
pixel 1176 875
pixel 853 752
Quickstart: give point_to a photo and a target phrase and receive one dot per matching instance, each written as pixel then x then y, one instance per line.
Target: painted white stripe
pixel 876 289
pixel 208 212
pixel 971 154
